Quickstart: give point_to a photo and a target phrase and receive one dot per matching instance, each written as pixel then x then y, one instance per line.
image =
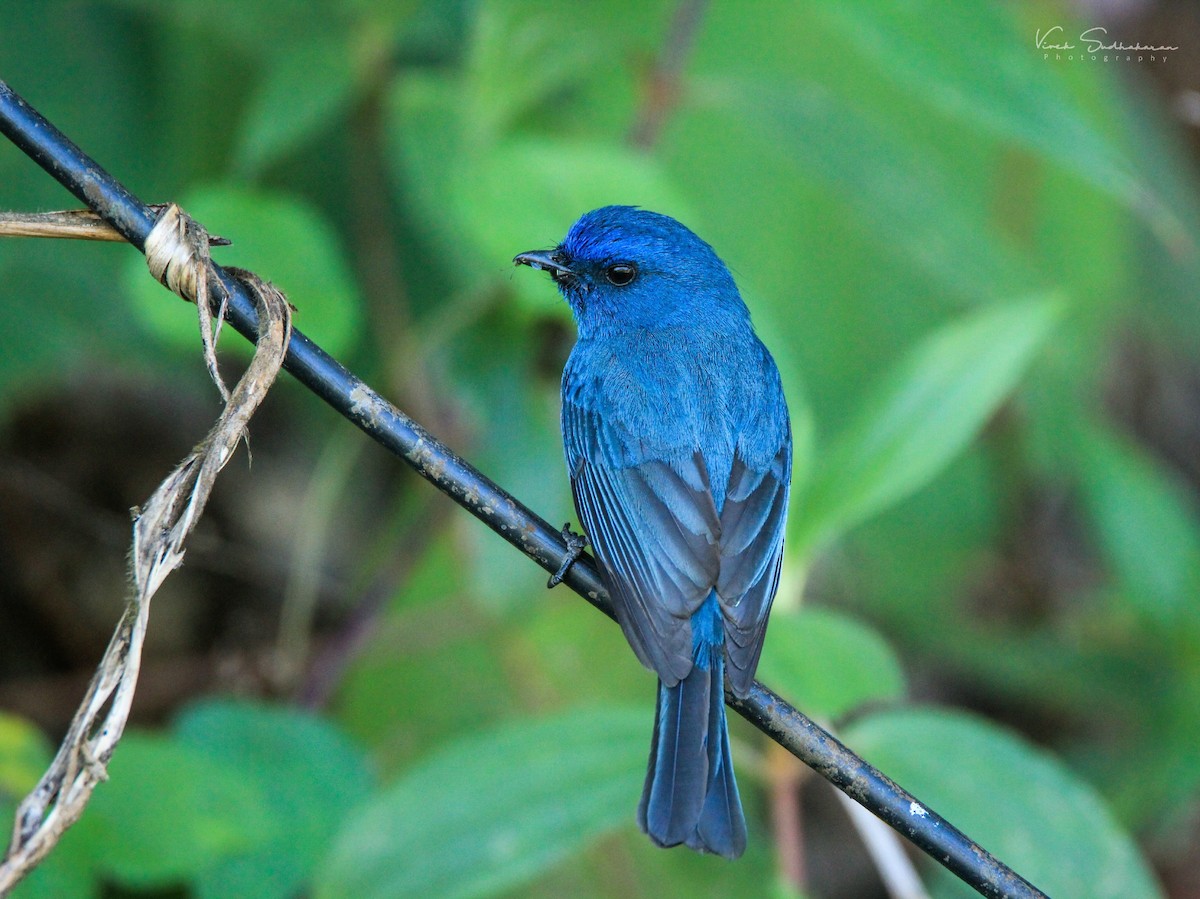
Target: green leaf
pixel 24 756
pixel 304 91
pixel 1166 274
pixel 281 239
pixel 493 810
pixel 895 187
pixel 921 415
pixel 311 773
pixel 1149 532
pixel 242 25
pixel 25 753
pixel 527 54
pixel 168 812
pixel 61 875
pixel 974 63
pixel 1016 801
pixel 828 664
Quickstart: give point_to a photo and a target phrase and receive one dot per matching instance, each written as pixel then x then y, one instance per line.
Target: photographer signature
pixel 1054 39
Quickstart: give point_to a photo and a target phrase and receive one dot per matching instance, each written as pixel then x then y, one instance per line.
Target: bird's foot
pixel 575 544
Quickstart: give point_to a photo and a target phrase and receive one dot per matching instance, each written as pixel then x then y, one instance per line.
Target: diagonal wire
pixel 509 518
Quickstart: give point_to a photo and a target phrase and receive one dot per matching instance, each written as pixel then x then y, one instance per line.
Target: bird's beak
pixel 547 261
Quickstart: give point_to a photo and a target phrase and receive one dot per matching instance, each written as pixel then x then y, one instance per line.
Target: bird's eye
pixel 621 273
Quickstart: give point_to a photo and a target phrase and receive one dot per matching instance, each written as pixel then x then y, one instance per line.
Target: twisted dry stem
pixel 177 252
pixel 73 224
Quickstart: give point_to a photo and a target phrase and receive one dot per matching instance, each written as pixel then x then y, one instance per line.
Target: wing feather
pixel 663 546
pixel 656 539
pixel 752 527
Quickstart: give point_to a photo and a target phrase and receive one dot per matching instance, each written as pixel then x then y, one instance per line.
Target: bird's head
pixel 620 266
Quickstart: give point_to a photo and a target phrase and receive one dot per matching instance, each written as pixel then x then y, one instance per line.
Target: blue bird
pixel 679 450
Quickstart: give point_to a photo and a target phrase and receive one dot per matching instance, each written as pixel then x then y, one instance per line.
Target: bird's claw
pixel 575 544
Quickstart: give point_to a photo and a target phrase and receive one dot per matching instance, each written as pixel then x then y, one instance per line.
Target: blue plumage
pixel 679 451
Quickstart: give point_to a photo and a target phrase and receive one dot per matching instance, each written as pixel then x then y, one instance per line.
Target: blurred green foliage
pixel 953 754
pixel 945 240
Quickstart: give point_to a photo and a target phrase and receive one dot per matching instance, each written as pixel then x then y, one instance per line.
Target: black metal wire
pixel 505 515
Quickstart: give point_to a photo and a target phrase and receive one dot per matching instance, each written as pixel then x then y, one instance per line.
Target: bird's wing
pixel 655 530
pixel 752 528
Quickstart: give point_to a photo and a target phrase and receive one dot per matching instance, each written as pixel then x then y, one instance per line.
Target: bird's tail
pixel 690 794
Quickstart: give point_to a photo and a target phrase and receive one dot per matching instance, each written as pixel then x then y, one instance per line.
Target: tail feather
pixel 676 779
pixel 722 825
pixel 691 795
